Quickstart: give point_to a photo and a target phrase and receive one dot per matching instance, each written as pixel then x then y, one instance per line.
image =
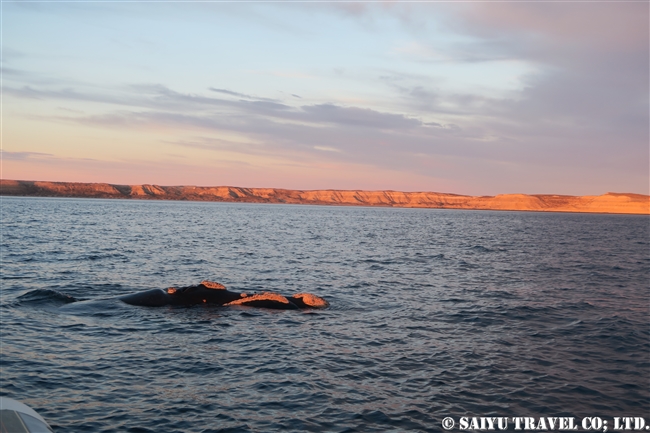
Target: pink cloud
pixel 611 26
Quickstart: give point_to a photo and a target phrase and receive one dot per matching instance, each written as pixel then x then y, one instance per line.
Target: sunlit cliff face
pixel 605 203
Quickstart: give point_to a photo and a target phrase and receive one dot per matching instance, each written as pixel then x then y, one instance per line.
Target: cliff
pixel 622 203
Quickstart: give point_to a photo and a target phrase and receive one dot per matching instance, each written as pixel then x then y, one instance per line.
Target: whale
pixel 210 292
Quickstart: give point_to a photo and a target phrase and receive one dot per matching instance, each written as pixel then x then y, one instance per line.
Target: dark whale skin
pixel 191 295
pixel 149 298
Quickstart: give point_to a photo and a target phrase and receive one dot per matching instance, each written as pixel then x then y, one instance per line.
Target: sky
pixel 476 98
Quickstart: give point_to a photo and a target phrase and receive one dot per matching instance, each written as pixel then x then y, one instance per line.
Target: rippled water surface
pixel 433 313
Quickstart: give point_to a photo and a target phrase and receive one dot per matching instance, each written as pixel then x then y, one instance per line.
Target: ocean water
pixel 434 314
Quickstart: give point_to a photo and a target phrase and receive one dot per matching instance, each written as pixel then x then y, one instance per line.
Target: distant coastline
pixel 617 203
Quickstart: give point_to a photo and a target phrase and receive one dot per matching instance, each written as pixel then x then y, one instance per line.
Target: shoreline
pixel 609 203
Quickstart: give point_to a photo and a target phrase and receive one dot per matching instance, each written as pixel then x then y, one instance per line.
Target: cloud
pixel 20 156
pixel 241 95
pixel 357 117
pixel 349 135
pixel 12 72
pixel 65 94
pixel 608 26
pixel 175 106
pixel 69 110
pixel 586 101
pixel 326 149
pixel 208 143
pixel 230 92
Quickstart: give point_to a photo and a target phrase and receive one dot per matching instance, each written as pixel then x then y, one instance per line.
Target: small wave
pixel 481 249
pixel 492 293
pixel 97 255
pixel 45 297
pixel 463 265
pixel 379 262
